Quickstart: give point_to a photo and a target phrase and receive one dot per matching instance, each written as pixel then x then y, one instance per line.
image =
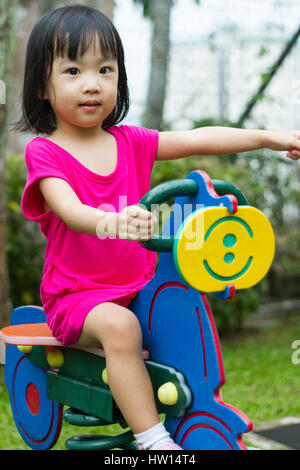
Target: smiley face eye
pixel 229 240
pixel 229 258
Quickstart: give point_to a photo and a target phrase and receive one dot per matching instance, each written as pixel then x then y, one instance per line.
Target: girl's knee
pixel 125 330
pixel 121 329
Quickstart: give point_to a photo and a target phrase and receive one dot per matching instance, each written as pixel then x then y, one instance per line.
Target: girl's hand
pixel 286 140
pixel 135 223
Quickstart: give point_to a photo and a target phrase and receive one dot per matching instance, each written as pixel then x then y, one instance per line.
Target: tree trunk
pixel 105 6
pixel 7 11
pixel 159 13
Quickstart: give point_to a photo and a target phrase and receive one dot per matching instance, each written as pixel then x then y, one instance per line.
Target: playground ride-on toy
pixel 221 245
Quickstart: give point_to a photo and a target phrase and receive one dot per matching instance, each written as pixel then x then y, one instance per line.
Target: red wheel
pixel 37 418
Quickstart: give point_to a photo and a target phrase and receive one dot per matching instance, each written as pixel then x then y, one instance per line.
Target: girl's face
pixel 83 92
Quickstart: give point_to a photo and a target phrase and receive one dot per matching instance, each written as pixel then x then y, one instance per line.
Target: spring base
pixel 123 441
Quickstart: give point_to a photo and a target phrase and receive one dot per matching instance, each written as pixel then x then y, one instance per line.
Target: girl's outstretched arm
pixel 224 140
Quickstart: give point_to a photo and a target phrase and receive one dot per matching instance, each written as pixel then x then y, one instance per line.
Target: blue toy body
pixel 179 330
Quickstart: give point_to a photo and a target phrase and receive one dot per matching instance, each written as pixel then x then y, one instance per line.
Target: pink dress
pixel 82 271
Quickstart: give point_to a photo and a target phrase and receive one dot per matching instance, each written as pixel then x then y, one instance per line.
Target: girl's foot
pixel 169 446
pixel 156 438
pixel 166 446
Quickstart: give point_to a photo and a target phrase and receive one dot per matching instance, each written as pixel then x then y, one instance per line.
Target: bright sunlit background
pixel 216 59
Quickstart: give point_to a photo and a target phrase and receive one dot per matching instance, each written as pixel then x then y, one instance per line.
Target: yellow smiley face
pixel 214 248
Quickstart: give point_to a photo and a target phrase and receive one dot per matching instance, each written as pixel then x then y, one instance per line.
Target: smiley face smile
pixel 234 249
pixel 229 242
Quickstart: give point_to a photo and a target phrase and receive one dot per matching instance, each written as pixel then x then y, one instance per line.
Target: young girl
pixel 86 176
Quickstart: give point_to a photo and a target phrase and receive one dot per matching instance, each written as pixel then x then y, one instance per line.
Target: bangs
pixel 74 38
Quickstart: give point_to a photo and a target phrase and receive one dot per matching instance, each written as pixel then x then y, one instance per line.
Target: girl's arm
pixel 224 140
pixel 64 202
pixel 132 223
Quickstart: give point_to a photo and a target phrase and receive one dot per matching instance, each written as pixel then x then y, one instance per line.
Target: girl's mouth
pixel 90 105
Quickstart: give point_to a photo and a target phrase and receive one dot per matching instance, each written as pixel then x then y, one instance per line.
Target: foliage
pixel 25 243
pixel 229 315
pixel 261 379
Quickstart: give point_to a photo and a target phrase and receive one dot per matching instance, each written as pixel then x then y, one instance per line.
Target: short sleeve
pixel 40 163
pixel 145 143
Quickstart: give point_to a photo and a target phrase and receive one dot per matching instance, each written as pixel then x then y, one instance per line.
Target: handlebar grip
pixel 161 193
pixel 181 187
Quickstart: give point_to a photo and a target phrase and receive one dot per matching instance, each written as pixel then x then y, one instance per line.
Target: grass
pixel 261 380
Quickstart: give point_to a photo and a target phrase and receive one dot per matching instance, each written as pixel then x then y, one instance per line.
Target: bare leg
pixel 118 330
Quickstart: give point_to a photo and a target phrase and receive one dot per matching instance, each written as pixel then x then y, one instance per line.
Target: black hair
pixel 73 27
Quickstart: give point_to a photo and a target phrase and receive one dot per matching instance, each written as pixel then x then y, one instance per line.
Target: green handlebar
pixel 181 187
pixel 223 187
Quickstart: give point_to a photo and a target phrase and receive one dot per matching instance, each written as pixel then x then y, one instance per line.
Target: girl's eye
pixel 73 71
pixel 105 70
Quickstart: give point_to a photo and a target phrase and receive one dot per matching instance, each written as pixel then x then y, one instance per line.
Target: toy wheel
pixel 37 418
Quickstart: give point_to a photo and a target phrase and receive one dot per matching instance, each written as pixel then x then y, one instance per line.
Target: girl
pixel 86 176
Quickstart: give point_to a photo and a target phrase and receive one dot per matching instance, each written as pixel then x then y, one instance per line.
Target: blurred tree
pixel 7 13
pixel 25 244
pixel 267 77
pixel 159 13
pixel 105 6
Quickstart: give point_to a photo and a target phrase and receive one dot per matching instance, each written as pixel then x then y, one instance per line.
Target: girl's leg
pixel 118 330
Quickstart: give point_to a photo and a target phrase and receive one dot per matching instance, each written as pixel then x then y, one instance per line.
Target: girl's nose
pixel 91 84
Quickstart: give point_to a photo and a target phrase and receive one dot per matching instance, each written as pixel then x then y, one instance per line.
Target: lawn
pixel 261 380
